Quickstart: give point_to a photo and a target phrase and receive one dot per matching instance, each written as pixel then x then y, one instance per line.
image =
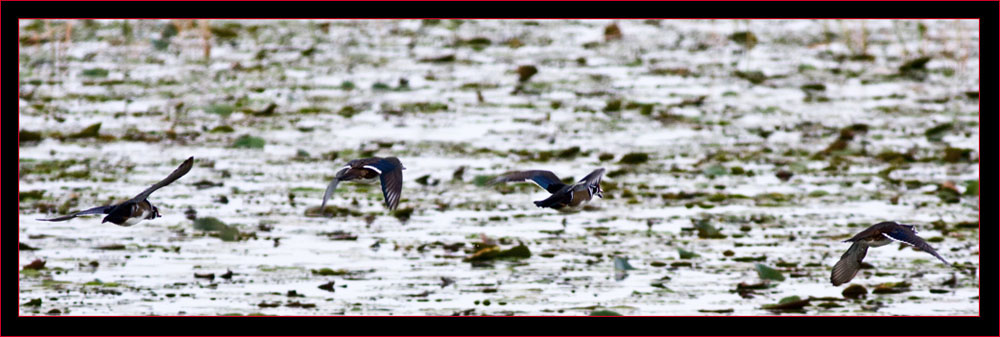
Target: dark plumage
pixel 389 171
pixel 134 210
pixel 564 197
pixel 877 235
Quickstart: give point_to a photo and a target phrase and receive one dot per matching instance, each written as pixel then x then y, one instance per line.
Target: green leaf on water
pixel 937 133
pixel 481 180
pixel 91 131
pixel 222 129
pixel 818 193
pixel 634 158
pixel 972 187
pixel 223 110
pixel 229 233
pixel 330 272
pixel 604 313
pixel 686 254
pixel 715 171
pixel 249 142
pixel 95 72
pixel 768 273
pixel 209 224
pixel 789 299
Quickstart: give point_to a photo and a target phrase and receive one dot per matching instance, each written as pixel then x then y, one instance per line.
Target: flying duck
pixel 565 198
pixel 389 170
pixel 134 210
pixel 877 235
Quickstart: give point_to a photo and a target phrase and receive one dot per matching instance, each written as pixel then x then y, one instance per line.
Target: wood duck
pixel 565 198
pixel 134 210
pixel 877 235
pixel 389 171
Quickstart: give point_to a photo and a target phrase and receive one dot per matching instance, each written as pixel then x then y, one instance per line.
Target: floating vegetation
pixel 249 142
pixel 937 133
pixel 915 69
pixel 612 32
pixel 524 73
pixel 331 210
pixel 746 38
pixel 755 77
pixel 95 72
pixel 790 303
pixel 223 110
pixel 604 313
pixel 218 228
pixel 720 156
pixel 439 59
pixel 403 214
pixel 634 158
pixel 424 107
pixel 222 129
pixel 88 132
pixel 493 252
pixel 30 195
pixel 25 136
pixel 892 288
pixel 685 254
pixel 768 273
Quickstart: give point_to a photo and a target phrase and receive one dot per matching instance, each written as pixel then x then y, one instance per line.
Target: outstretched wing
pixel 391 178
pixel 593 182
pixel 544 179
pixel 179 172
pixel 849 264
pixel 873 230
pixel 594 177
pixel 333 187
pixel 329 192
pixel 905 235
pixel 96 210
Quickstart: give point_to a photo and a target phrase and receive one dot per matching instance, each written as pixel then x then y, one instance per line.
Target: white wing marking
pixel 895 239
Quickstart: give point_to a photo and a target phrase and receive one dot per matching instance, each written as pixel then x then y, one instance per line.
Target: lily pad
pixel 790 303
pixel 604 313
pixel 88 132
pixel 768 273
pixel 634 158
pixel 249 142
pixel 854 291
pixel 684 254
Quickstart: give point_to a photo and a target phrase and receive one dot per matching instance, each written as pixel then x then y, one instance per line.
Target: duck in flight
pixel 389 170
pixel 877 235
pixel 134 210
pixel 565 197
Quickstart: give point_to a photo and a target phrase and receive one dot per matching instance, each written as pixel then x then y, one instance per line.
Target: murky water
pixel 866 133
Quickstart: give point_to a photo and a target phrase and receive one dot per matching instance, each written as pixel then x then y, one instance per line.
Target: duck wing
pixel 849 264
pixel 390 172
pixel 176 174
pixel 907 236
pixel 96 210
pixel 544 179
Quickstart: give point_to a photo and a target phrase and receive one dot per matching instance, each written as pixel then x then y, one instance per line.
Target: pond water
pixel 752 143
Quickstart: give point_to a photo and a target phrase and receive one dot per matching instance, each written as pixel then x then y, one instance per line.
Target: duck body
pixel 133 211
pixel 388 171
pixel 564 198
pixel 877 235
